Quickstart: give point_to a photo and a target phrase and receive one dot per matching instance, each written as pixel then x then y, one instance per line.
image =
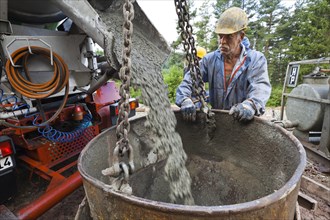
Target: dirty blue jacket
pixel 250 82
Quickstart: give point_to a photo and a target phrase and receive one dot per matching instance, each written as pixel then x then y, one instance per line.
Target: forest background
pixel 283 34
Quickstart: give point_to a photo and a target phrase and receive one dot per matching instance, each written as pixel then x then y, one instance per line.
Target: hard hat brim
pixel 225 31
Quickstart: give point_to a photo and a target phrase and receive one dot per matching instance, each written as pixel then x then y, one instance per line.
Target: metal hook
pixel 29 48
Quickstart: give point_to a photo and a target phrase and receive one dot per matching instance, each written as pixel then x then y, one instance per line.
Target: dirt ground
pixel 31 187
pixel 322 211
pixel 66 209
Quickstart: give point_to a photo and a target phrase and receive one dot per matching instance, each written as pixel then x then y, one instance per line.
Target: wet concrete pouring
pixel 32 187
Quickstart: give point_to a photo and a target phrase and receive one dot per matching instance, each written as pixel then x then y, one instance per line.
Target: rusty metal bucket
pixel 249 171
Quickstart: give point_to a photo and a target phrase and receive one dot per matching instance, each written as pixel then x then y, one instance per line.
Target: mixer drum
pixel 249 171
pixel 34 11
pixel 309 114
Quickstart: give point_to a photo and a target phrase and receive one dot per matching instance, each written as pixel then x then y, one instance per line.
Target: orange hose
pixel 36 90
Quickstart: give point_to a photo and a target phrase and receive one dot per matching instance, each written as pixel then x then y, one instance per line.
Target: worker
pixel 237 75
pixel 200 53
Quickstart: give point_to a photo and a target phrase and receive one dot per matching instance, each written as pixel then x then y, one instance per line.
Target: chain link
pixel 188 43
pixel 125 76
pixel 123 147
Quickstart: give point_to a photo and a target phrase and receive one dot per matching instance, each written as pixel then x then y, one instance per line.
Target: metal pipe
pixel 283 91
pixel 110 72
pixel 325 101
pixel 313 61
pixel 71 100
pixel 88 20
pixel 90 55
pixel 50 198
pixel 5 115
pixel 286 123
pixel 314 139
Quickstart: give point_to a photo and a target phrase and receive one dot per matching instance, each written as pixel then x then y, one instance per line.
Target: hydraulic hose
pixel 58 136
pixel 3 122
pixel 37 90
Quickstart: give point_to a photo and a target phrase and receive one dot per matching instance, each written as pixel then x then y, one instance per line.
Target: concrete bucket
pixel 250 171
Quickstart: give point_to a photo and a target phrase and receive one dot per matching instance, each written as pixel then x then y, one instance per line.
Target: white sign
pixel 293 77
pixel 6 163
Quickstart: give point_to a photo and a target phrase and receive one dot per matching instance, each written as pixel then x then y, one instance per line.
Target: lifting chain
pixel 188 42
pixel 123 146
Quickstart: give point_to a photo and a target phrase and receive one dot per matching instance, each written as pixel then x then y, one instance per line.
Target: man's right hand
pixel 243 112
pixel 188 110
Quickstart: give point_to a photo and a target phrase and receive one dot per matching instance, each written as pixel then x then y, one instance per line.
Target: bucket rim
pixel 197 210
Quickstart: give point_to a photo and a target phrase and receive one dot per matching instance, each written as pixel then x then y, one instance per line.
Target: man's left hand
pixel 243 111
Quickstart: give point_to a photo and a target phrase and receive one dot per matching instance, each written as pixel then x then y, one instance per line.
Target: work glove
pixel 188 110
pixel 243 111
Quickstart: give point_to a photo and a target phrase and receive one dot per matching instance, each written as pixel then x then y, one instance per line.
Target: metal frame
pixel 28 39
pixel 322 148
pixel 44 157
pixel 285 94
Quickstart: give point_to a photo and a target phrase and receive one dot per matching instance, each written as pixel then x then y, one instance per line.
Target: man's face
pixel 229 43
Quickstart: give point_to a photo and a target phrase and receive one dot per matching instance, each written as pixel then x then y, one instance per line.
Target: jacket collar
pixel 244 55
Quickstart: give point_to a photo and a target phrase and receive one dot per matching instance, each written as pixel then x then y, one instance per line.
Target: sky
pixel 163 15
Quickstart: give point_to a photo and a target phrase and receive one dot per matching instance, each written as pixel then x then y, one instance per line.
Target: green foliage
pixel 203 27
pixel 136 93
pixel 311 25
pixel 172 78
pixel 99 52
pixel 175 59
pixel 51 26
pixel 275 97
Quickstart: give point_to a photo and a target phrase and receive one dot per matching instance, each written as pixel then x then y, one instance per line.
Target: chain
pixel 188 42
pixel 123 147
pixel 124 74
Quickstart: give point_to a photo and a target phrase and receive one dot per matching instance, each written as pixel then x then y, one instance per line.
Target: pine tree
pixel 265 36
pixel 250 7
pixel 203 27
pixel 311 30
pixel 281 43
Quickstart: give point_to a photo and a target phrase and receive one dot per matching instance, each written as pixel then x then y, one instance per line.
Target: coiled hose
pixel 62 136
pixel 37 90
